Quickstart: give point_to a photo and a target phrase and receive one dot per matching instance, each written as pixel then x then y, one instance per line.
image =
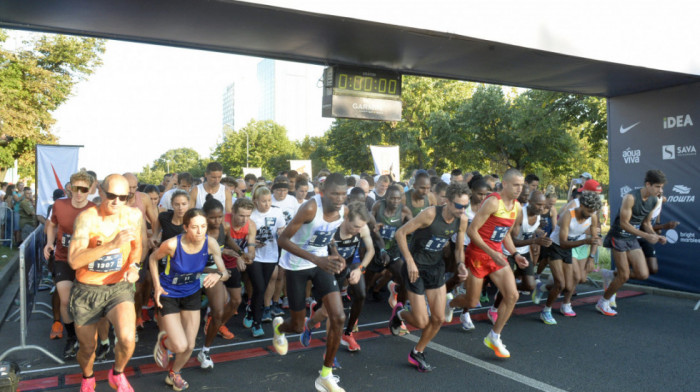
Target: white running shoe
pixel 205 361
pixel 466 321
pixel 449 312
pixel 612 301
pixel 279 341
pixel 328 384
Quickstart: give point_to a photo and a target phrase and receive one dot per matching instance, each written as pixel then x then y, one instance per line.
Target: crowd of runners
pixel 292 250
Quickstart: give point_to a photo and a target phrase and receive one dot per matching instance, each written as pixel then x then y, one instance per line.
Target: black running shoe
pixel 418 360
pixel 71 349
pixel 101 352
pixel 395 321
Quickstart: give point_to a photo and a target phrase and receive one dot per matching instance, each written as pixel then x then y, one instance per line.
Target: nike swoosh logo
pixel 393 220
pixel 624 130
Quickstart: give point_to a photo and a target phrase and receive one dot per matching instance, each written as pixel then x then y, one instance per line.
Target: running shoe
pixel 101 351
pixel 120 383
pixel 276 310
pixel 279 341
pixel 248 318
pixel 537 293
pixel 603 307
pixel 466 321
pixel 88 384
pixel 355 328
pixel 567 311
pixel 547 318
pixel 57 331
pixel 311 313
pixel 328 384
pixel 484 297
pixel 258 331
pixel 613 301
pixel 225 333
pixel 144 315
pixel 497 346
pixel 205 361
pixel 403 329
pixel 418 360
pixel 305 337
pixel 160 352
pixel 267 315
pixel 71 348
pixel 395 321
pixel 393 293
pixel 176 381
pixel 350 342
pixel 449 311
pixel 492 315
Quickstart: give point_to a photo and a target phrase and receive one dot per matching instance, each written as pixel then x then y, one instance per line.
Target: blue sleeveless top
pixel 180 278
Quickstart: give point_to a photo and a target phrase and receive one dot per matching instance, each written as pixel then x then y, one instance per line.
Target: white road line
pixel 531 382
pixel 251 342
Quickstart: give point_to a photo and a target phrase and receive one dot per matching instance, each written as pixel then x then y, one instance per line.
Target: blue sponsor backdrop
pixel 661 130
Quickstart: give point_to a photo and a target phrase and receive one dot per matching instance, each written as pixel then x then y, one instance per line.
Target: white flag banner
pixel 54 166
pixel 386 160
pixel 301 166
pixel 255 170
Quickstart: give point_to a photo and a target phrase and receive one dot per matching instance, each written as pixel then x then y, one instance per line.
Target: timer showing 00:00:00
pixel 367 84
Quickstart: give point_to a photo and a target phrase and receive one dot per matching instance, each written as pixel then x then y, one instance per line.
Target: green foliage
pixel 34 81
pixel 173 161
pixel 269 148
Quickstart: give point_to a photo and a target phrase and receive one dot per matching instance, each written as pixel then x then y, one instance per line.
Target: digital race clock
pixel 359 93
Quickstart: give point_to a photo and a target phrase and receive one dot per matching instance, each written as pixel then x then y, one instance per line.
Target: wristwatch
pixel 221 274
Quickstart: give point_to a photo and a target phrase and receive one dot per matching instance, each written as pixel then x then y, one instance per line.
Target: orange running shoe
pixel 56 330
pixel 225 333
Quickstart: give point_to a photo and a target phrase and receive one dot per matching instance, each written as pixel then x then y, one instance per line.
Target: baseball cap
pixel 587 175
pixel 592 186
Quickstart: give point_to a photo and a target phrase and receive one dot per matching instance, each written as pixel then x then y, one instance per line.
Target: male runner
pixel 105 251
pixel 60 226
pixel 420 198
pixel 184 182
pixel 632 221
pixel 305 241
pixel 212 185
pixel 484 256
pixel 532 181
pixel 380 188
pixel 424 267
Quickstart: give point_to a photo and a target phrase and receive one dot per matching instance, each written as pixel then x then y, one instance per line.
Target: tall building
pixel 290 95
pixel 229 112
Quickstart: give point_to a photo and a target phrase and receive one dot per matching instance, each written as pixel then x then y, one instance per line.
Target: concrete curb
pixel 662 292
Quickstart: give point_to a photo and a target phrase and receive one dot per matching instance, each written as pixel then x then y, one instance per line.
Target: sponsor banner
pixel 54 166
pixel 255 170
pixel 661 130
pixel 386 160
pixel 301 166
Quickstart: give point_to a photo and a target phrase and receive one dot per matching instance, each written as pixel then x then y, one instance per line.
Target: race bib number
pixel 572 238
pixel 435 244
pixel 527 236
pixel 499 233
pixel 110 262
pixel 287 217
pixel 242 242
pixel 263 234
pixel 388 232
pixel 181 279
pixel 270 221
pixel 320 239
pixel 347 251
pixel 65 240
pixel 210 260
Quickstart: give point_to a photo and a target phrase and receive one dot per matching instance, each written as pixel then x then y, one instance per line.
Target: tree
pixel 269 148
pixel 34 81
pixel 173 161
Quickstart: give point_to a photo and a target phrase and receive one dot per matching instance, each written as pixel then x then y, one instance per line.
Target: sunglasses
pixel 460 206
pixel 80 189
pixel 112 196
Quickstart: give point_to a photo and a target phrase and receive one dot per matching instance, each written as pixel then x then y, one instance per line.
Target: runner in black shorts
pixel 633 220
pixel 305 258
pixel 424 267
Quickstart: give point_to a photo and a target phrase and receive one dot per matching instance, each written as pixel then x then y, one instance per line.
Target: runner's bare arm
pixel 459 247
pixel 422 220
pixel 151 212
pixel 51 230
pixel 229 202
pixel 366 237
pixel 252 229
pixel 215 250
pixel 167 248
pixel 79 255
pixel 193 196
pixel 406 214
pixel 626 215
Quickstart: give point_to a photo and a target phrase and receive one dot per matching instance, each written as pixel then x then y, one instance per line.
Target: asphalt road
pixel 652 345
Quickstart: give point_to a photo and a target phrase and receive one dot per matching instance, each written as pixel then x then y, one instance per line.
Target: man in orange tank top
pixel 105 252
pixel 484 256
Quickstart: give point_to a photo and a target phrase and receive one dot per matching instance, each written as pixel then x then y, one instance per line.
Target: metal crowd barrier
pixel 7 220
pixel 30 276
